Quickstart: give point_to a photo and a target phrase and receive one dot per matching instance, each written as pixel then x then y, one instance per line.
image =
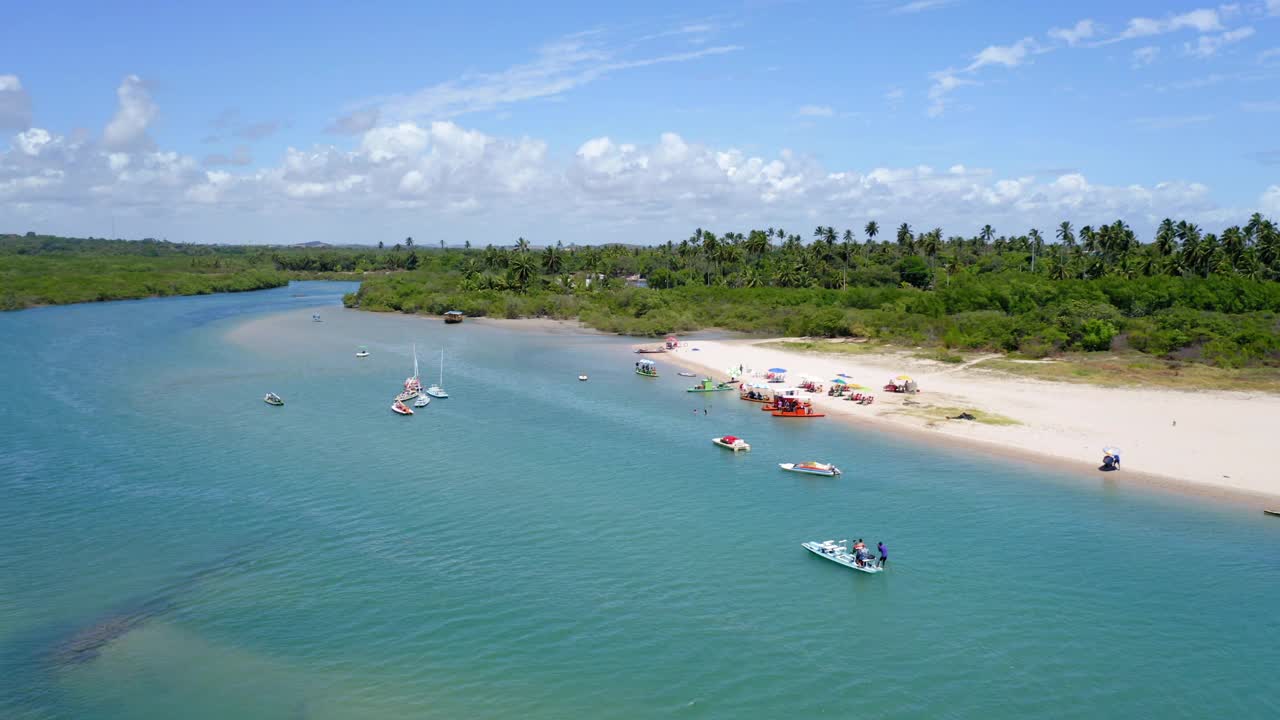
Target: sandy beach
pixel 1213 443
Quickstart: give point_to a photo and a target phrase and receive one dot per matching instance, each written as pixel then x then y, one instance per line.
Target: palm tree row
pixel 834 258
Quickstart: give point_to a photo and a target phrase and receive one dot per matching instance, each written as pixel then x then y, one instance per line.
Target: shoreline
pixel 1007 442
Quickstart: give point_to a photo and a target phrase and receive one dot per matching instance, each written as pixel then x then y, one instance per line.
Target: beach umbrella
pixel 1111 450
pixel 839 381
pixel 777 369
pixel 843 375
pixel 903 377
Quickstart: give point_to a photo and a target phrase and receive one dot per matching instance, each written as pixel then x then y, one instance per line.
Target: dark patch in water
pixel 85 643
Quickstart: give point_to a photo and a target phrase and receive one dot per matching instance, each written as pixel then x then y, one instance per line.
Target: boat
pixel 315 317
pixel 453 317
pixel 709 385
pixel 811 468
pixel 687 374
pixel 421 401
pixel 363 352
pixel 406 395
pixel 729 442
pixel 1276 513
pixel 400 408
pixel 582 378
pixel 794 408
pixel 756 393
pixel 650 350
pixel 647 368
pixel 273 399
pixel 412 385
pixel 838 552
pixel 436 390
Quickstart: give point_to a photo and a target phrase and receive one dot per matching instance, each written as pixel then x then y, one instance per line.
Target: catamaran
pixel 811 468
pixel 438 390
pixel 838 552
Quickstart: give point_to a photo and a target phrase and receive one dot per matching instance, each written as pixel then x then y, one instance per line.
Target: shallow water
pixel 536 547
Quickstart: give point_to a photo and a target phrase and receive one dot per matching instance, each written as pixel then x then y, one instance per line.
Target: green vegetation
pixel 46 270
pixel 1188 295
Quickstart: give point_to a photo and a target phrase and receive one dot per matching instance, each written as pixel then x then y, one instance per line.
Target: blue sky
pixel 587 122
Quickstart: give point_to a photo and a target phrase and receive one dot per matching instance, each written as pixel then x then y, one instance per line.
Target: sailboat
pixel 412 385
pixel 437 390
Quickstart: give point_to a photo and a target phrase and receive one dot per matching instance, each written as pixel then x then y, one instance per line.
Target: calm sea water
pixel 536 547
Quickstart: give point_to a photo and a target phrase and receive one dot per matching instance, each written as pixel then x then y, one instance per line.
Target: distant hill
pixel 313 244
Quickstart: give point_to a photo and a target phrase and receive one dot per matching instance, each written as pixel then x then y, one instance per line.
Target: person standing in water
pixel 884 553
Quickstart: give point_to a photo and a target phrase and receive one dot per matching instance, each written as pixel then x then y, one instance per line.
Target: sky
pixel 589 122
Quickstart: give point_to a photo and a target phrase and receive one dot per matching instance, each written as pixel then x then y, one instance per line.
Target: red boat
pixel 789 407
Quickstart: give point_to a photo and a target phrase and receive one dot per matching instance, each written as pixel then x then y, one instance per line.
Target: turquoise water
pixel 536 547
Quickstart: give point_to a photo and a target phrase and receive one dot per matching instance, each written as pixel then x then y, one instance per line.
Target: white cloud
pixel 1170 122
pixel 557 69
pixel 1208 45
pixel 1203 20
pixel 919 6
pixel 815 111
pixel 1146 55
pixel 1273 7
pixel 1006 55
pixel 128 128
pixel 1268 55
pixel 1269 203
pixel 1072 36
pixel 894 95
pixel 1261 106
pixel 15 104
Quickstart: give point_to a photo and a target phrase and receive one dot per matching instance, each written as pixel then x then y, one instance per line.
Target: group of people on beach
pixel 862 556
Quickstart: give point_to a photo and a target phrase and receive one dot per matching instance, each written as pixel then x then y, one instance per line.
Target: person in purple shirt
pixel 884 553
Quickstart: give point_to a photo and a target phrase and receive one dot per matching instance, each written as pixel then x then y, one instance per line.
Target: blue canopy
pixel 777 369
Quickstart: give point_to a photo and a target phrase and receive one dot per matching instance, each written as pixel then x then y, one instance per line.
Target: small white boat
pixel 729 442
pixel 406 395
pixel 582 378
pixel 400 408
pixel 315 318
pixel 273 399
pixel 811 468
pixel 687 374
pixel 421 401
pixel 363 352
pixel 438 390
pixel 838 552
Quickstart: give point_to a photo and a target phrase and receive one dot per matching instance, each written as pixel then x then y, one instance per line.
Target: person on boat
pixel 884 554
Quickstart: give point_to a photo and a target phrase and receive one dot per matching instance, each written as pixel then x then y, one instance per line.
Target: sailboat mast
pixel 442 367
pixel 415 360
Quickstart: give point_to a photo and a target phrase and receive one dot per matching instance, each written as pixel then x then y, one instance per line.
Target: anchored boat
pixel 438 390
pixel 273 399
pixel 838 552
pixel 730 442
pixel 709 385
pixel 811 468
pixel 421 401
pixel 363 352
pixel 795 408
pixel 400 408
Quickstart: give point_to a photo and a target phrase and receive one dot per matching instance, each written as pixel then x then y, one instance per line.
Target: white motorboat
pixel 272 399
pixel 421 401
pixel 811 468
pixel 729 442
pixel 687 374
pixel 438 390
pixel 838 552
pixel 406 395
pixel 363 352
pixel 582 378
pixel 400 408
pixel 315 318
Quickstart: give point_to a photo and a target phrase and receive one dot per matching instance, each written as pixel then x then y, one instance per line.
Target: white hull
pixel 362 354
pixel 422 401
pixel 436 392
pixel 739 446
pixel 797 468
pixel 838 553
pixel 407 395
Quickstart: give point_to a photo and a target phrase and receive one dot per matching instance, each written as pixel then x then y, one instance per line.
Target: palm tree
pixel 986 234
pixel 905 239
pixel 1037 246
pixel 757 243
pixel 552 260
pixel 872 229
pixel 1165 235
pixel 522 245
pixel 408 242
pixel 523 270
pixel 1065 234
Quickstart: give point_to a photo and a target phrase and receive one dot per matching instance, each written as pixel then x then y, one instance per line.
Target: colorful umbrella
pixel 838 381
pixel 777 369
